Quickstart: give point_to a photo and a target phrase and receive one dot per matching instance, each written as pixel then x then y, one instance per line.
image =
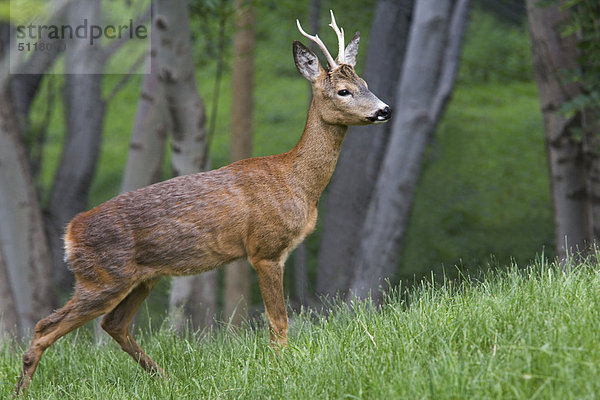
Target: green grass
pixel 517 334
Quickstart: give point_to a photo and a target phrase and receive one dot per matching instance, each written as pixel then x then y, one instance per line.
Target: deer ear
pixel 352 50
pixel 306 61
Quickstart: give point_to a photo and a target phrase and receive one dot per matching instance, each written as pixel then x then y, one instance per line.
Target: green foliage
pixel 209 22
pixel 522 334
pixel 22 11
pixel 584 23
pixel 494 52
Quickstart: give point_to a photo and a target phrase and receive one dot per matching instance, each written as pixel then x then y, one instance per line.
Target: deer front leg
pixel 270 281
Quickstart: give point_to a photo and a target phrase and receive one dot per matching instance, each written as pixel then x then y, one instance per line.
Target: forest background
pixel 483 199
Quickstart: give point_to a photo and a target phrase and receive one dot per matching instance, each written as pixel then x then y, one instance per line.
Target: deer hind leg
pixel 270 281
pixel 116 324
pixel 87 303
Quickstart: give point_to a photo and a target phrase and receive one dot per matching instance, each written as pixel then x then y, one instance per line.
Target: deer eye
pixel 344 92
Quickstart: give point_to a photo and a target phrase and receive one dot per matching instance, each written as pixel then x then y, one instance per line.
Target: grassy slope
pixel 484 194
pixel 517 334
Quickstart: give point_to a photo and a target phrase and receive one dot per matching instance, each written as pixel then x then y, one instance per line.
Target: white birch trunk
pixel 150 128
pixel 24 252
pixel 553 54
pixel 9 322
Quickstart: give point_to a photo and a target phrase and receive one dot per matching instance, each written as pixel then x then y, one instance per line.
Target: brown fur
pixel 259 208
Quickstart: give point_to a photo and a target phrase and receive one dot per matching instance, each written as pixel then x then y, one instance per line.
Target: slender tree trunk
pixel 426 83
pixel 150 127
pixel 193 297
pixel 300 254
pixel 237 273
pixel 26 290
pixel 591 160
pixel 192 302
pixel 25 267
pixel 176 75
pixel 242 81
pixel 358 166
pixel 9 321
pixel 27 76
pixel 84 116
pixel 25 85
pixel 554 54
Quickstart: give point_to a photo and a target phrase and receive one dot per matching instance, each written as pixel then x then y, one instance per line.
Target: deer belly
pixel 185 250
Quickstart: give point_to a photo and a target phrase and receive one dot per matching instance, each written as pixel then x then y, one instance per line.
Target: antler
pixel 321 45
pixel 341 58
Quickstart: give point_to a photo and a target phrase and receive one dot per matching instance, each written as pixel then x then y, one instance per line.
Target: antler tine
pixel 341 58
pixel 319 42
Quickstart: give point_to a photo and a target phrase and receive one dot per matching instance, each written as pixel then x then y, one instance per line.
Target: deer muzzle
pixel 381 115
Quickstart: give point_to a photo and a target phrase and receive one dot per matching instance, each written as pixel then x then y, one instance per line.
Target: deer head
pixel 343 97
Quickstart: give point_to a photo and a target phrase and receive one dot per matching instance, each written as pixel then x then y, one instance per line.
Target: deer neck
pixel 314 157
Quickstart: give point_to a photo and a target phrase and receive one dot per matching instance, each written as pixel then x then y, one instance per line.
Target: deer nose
pixel 384 114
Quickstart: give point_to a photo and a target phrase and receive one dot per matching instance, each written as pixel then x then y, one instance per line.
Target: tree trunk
pixel 9 320
pixel 426 83
pixel 192 297
pixel 150 127
pixel 552 55
pixel 24 254
pixel 84 116
pixel 591 163
pixel 26 83
pixel 27 75
pixel 300 259
pixel 192 303
pixel 237 273
pixel 358 166
pixel 177 78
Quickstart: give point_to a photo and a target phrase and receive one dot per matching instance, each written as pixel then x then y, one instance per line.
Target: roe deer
pixel 259 208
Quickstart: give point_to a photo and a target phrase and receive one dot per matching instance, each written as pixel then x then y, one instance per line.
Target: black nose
pixel 384 114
